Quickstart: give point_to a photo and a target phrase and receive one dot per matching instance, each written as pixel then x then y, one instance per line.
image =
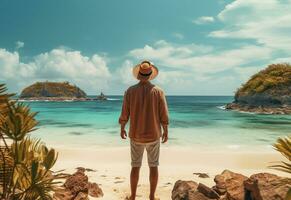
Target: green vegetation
pixel 275 80
pixel 283 145
pixel 25 164
pixel 52 89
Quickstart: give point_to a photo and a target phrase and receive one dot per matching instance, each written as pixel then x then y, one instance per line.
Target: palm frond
pixel 283 145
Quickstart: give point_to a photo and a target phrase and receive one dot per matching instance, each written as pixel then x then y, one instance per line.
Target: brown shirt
pixel 144 104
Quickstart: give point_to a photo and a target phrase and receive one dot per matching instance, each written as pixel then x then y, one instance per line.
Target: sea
pixel 195 122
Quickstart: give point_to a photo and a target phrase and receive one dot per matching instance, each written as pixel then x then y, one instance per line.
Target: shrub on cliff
pixel 271 85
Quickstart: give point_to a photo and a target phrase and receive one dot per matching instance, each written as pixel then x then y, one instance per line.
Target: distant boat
pixel 101 97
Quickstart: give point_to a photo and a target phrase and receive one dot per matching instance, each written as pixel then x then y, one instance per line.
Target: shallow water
pixel 195 121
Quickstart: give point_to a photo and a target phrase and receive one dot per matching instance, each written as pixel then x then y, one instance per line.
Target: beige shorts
pixel 153 153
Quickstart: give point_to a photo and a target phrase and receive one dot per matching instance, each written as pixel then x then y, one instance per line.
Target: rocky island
pixel 266 92
pixel 53 91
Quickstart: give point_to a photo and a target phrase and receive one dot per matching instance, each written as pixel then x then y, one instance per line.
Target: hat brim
pixel 135 72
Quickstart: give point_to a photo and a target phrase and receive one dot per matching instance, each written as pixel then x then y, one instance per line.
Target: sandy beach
pixel 112 167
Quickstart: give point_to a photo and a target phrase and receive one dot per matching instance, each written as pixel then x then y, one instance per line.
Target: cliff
pixel 51 90
pixel 268 91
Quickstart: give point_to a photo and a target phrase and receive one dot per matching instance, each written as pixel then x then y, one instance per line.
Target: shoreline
pixel 112 167
pixel 268 110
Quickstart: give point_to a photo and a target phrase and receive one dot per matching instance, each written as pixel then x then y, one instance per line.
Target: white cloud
pixel 57 65
pixel 10 66
pixel 19 45
pixel 163 50
pixel 124 73
pixel 268 23
pixel 203 20
pixel 178 36
pixel 199 58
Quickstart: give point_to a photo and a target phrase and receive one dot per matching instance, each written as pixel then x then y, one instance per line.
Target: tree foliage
pixel 275 78
pixel 25 164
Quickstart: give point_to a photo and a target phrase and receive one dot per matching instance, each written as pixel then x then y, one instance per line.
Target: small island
pixel 56 91
pixel 266 92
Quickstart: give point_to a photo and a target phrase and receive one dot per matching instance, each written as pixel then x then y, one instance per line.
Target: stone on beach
pixel 202 175
pixel 182 189
pixel 265 186
pixel 231 184
pixel 234 186
pixel 95 190
pixel 78 187
pixel 208 192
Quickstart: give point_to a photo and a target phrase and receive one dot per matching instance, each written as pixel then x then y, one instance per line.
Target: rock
pixel 182 189
pixel 77 187
pixel 196 195
pixel 265 186
pixel 63 194
pixel 95 190
pixel 82 196
pixel 81 169
pixel 231 184
pixel 208 192
pixel 202 175
pixel 90 170
pixel 78 182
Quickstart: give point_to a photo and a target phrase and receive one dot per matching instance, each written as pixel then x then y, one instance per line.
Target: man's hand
pixel 165 137
pixel 123 134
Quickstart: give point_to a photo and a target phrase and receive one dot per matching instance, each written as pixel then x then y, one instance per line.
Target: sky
pixel 201 47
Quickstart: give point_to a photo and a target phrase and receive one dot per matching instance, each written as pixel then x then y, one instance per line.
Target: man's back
pixel 145 105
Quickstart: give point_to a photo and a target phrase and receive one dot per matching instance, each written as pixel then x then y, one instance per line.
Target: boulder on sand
pixel 77 187
pixel 265 186
pixel 231 184
pixel 182 189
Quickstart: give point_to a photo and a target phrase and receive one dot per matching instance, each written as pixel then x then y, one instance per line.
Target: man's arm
pixel 165 133
pixel 164 117
pixel 124 116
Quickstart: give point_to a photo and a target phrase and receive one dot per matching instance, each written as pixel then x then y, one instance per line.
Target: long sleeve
pixel 164 116
pixel 124 116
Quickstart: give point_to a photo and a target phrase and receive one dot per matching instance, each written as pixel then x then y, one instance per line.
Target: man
pixel 145 105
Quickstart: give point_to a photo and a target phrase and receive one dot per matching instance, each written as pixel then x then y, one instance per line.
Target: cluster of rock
pixel 279 110
pixel 77 187
pixel 267 92
pixel 234 186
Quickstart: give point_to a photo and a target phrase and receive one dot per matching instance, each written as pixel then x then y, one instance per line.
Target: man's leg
pixel 153 151
pixel 136 161
pixel 154 176
pixel 134 176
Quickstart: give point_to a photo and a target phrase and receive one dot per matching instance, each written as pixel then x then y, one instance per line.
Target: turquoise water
pixel 195 121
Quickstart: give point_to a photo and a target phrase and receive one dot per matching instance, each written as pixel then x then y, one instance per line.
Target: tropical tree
pixel 25 163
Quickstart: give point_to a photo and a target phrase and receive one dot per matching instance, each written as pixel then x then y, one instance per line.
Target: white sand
pixel 112 167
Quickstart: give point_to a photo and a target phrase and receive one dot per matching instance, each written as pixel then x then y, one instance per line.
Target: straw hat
pixel 145 71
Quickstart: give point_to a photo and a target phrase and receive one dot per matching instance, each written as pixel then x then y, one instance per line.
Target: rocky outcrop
pixel 279 110
pixel 182 189
pixel 190 190
pixel 51 91
pixel 230 184
pixel 268 91
pixel 234 186
pixel 265 186
pixel 78 187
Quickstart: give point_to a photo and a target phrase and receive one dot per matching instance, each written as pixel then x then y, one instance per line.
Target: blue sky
pixel 201 47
